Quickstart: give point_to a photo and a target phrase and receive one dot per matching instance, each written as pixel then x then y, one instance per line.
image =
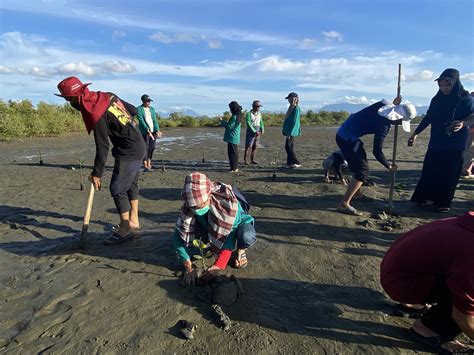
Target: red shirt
pixel 443 248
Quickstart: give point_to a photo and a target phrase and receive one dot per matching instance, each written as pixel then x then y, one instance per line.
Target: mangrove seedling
pixel 41 158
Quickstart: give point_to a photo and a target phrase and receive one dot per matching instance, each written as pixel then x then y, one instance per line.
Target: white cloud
pixel 423 75
pixel 468 77
pixel 77 68
pixel 160 37
pixel 358 100
pixel 5 70
pixel 332 35
pixel 307 43
pixel 118 34
pixel 174 38
pixel 276 64
pixel 117 66
pixel 214 44
pixel 35 71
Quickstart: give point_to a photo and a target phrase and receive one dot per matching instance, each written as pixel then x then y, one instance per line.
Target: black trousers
pixel 233 152
pixel 438 318
pixel 150 146
pixel 124 183
pixel 290 151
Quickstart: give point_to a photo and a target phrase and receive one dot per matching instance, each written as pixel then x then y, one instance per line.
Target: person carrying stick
pixel 377 120
pixel 111 118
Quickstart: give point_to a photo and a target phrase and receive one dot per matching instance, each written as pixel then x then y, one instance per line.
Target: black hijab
pixel 236 109
pixel 442 107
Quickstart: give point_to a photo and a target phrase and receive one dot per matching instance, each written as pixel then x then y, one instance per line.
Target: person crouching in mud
pixel 214 209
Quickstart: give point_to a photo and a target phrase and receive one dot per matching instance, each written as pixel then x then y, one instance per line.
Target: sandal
pixel 117 238
pixel 350 210
pixel 435 343
pixel 241 261
pixel 399 310
pixel 134 229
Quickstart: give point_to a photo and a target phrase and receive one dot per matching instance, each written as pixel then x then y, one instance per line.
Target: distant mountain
pixel 344 106
pixel 351 108
pixel 187 112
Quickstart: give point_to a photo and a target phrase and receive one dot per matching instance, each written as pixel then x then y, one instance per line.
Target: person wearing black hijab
pixel 232 134
pixel 443 160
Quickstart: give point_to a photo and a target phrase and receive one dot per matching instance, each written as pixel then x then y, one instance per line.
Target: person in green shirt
pixel 212 212
pixel 149 128
pixel 292 129
pixel 255 129
pixel 232 134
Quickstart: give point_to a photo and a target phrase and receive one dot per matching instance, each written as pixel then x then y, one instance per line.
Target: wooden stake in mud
pixel 87 217
pixel 395 139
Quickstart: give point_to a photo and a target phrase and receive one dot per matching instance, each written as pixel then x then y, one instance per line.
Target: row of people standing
pixel 256 128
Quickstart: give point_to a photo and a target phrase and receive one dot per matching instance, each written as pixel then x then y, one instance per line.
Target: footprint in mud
pixel 48 320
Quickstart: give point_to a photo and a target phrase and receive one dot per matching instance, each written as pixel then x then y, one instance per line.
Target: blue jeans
pixel 246 236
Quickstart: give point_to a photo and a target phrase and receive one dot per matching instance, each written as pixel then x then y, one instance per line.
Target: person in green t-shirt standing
pixel 292 129
pixel 255 128
pixel 232 134
pixel 149 128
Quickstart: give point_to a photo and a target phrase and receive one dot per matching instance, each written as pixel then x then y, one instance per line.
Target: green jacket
pixel 230 243
pixel 232 130
pixel 142 126
pixel 292 125
pixel 248 120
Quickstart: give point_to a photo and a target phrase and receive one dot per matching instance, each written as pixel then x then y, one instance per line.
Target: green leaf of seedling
pixel 198 244
pixel 208 254
pixel 197 257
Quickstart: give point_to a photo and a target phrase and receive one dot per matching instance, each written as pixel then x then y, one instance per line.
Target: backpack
pixel 243 201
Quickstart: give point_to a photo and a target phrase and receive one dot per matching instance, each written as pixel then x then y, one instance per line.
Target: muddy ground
pixel 312 284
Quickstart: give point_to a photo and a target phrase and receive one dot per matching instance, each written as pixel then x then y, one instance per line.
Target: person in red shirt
pixel 434 264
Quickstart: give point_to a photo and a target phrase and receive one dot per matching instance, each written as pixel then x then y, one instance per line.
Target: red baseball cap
pixel 71 87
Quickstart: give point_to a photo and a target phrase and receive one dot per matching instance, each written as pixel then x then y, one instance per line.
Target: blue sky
pixel 203 54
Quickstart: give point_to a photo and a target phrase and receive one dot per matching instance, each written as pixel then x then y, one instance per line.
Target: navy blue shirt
pixel 368 121
pixel 439 140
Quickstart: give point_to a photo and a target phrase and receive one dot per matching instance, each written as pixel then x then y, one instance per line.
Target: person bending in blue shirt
pixel 375 119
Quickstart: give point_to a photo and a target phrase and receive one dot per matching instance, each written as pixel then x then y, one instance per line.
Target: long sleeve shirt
pixel 183 250
pixel 116 125
pixel 232 130
pixel 368 121
pixel 439 140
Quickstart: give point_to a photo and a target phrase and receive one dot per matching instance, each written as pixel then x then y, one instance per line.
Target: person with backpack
pixel 149 128
pixel 215 213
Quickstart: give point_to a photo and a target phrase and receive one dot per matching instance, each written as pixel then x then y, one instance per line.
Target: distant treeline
pixel 22 119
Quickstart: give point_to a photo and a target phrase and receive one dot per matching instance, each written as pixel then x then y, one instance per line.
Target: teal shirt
pixel 240 218
pixel 142 126
pixel 292 125
pixel 232 130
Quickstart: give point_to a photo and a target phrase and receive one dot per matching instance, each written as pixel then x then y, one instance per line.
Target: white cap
pixel 405 112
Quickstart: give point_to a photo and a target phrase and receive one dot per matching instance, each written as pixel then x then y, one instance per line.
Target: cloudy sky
pixel 201 54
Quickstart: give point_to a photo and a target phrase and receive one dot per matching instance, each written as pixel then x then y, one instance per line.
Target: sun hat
pixel 405 112
pixel 71 87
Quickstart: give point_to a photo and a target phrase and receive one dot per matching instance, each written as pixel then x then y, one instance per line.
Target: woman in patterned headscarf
pixel 212 212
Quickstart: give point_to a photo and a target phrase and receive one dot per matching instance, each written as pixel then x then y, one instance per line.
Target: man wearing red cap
pixel 111 118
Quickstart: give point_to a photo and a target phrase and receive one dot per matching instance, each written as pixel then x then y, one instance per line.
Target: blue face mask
pixel 201 211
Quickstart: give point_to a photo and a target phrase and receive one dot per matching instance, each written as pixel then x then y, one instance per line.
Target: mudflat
pixel 311 286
